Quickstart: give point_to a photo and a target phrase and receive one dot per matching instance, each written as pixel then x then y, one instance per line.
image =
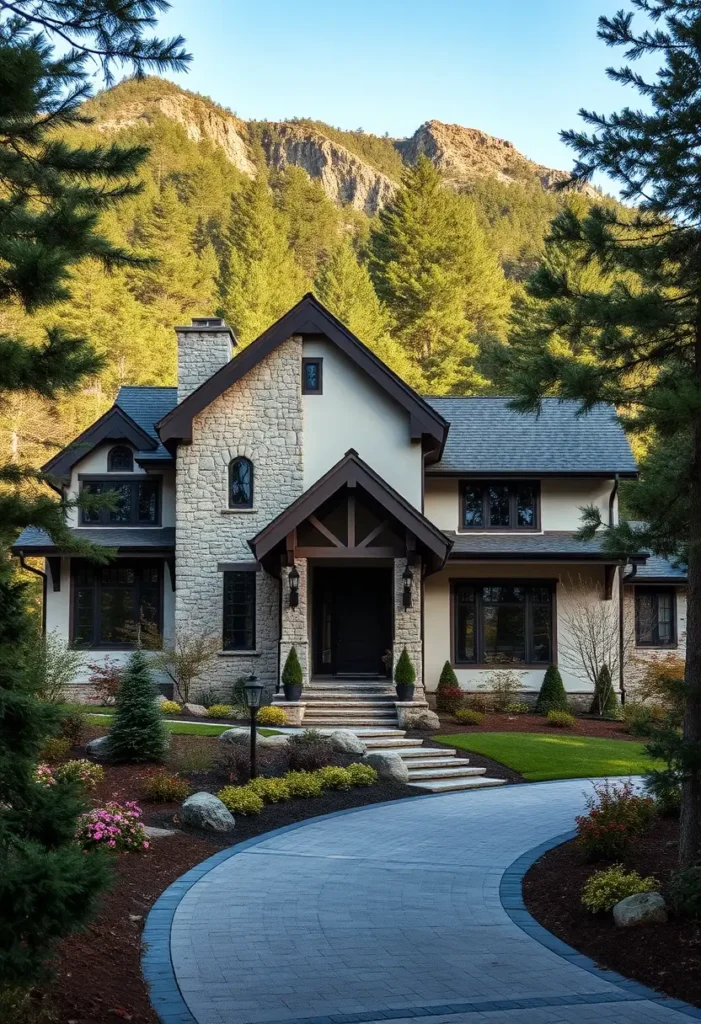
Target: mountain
pixel 355 168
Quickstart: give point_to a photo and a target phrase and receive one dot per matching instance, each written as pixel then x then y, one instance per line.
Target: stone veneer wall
pixel 407 621
pixel 200 354
pixel 294 621
pixel 640 657
pixel 259 417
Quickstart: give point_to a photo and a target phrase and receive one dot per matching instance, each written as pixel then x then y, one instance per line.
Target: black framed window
pixel 138 502
pixel 655 617
pixel 312 376
pixel 107 599
pixel 503 623
pixel 240 483
pixel 120 459
pixel 239 632
pixel 500 505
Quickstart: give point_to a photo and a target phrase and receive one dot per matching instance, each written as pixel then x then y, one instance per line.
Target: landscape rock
pixel 346 742
pixel 99 748
pixel 279 740
pixel 643 908
pixel 160 699
pixel 234 736
pixel 196 710
pixel 153 832
pixel 427 720
pixel 388 766
pixel 204 810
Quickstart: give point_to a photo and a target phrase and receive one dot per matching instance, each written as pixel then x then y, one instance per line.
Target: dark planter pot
pixel 293 691
pixel 405 691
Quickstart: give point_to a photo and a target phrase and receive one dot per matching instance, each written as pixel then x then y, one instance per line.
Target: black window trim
pixel 513 484
pixel 501 581
pixel 110 453
pixel 158 563
pixel 305 361
pixel 131 478
pixel 651 644
pixel 227 574
pixel 242 505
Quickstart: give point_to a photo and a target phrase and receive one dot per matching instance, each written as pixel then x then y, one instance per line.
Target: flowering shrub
pixel 163 788
pixel 362 774
pixel 607 888
pixel 43 773
pixel 240 799
pixel 334 778
pixel 560 719
pixel 271 716
pixel 468 716
pixel 303 783
pixel 271 791
pixel 82 771
pixel 170 707
pixel 518 708
pixel 115 826
pixel 219 710
pixel 615 815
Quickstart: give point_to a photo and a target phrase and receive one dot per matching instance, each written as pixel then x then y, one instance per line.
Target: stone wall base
pixel 294 710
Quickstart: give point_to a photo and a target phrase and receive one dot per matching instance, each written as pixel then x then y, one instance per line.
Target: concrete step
pixel 448 785
pixel 443 773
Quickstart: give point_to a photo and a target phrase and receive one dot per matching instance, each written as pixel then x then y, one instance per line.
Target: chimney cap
pixel 208 324
pixel 207 321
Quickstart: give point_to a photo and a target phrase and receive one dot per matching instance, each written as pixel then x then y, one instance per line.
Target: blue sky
pixel 518 69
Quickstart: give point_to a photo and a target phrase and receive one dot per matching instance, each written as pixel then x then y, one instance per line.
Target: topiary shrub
pixel 138 732
pixel 219 711
pixel 240 799
pixel 362 774
pixel 607 888
pixel 467 716
pixel 334 778
pixel 270 715
pixel 552 695
pixel 292 675
pixel 164 788
pixel 561 719
pixel 604 701
pixel 304 783
pixel 271 791
pixel 170 707
pixel 449 696
pixel 404 676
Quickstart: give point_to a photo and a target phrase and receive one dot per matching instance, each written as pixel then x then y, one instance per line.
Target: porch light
pixel 293 578
pixel 408 578
pixel 253 691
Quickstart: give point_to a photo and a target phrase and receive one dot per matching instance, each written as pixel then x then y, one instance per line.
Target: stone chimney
pixel 203 348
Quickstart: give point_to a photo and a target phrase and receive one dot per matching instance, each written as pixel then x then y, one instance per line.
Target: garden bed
pixel 585 725
pixel 665 957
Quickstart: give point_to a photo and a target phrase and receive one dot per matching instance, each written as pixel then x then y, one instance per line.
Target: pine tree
pixel 552 695
pixel 604 700
pixel 443 288
pixel 138 732
pixel 311 219
pixel 642 343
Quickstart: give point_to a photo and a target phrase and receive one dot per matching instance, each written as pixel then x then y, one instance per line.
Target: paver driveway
pixel 391 912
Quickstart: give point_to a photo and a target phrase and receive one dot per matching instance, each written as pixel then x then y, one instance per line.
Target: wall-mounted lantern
pixel 408 578
pixel 293 578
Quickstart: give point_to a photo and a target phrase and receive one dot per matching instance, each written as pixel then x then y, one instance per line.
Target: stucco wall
pixel 640 657
pixel 354 412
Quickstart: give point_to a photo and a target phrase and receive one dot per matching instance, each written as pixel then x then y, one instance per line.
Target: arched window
pixel 120 459
pixel 240 483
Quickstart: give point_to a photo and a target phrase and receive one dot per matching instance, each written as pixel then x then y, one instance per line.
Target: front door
pixel 352 618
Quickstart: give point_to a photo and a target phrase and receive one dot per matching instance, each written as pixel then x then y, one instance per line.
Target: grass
pixel 182 728
pixel 540 757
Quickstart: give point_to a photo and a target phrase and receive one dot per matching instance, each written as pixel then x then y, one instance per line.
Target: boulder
pixel 196 710
pixel 388 766
pixel 204 810
pixel 643 908
pixel 99 748
pixel 426 719
pixel 234 736
pixel 279 740
pixel 160 699
pixel 345 742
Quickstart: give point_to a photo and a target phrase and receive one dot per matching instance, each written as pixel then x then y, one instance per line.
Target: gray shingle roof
pixel 34 539
pixel 487 436
pixel 147 406
pixel 550 544
pixel 658 568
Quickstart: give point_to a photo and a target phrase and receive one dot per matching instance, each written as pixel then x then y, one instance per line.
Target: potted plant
pixel 292 678
pixel 404 677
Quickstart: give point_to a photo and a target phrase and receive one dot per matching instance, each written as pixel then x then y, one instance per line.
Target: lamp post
pixel 254 691
pixel 293 577
pixel 408 578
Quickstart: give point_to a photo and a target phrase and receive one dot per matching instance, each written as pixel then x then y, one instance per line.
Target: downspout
pixel 621 644
pixel 612 500
pixel 42 574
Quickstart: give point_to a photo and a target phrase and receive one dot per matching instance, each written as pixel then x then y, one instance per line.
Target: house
pixel 301 494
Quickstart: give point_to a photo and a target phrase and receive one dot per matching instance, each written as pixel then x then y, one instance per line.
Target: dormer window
pixel 240 483
pixel 120 459
pixel 499 505
pixel 312 376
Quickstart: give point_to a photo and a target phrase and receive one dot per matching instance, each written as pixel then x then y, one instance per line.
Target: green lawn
pixel 182 728
pixel 540 757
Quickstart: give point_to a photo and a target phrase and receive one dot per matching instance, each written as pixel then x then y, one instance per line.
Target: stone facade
pixel 200 354
pixel 294 621
pixel 259 417
pixel 638 658
pixel 407 621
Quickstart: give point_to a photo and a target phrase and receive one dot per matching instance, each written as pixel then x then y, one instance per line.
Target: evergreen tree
pixel 311 219
pixel 449 695
pixel 292 670
pixel 604 700
pixel 443 288
pixel 552 695
pixel 642 343
pixel 404 671
pixel 138 732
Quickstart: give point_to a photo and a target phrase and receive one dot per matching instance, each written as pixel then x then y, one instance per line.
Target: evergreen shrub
pixel 604 889
pixel 138 732
pixel 552 695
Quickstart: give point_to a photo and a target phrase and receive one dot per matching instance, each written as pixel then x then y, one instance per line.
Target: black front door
pixel 352 620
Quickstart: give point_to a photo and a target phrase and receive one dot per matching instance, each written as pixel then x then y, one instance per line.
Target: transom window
pixel 499 505
pixel 312 374
pixel 655 615
pixel 239 632
pixel 107 599
pixel 502 623
pixel 138 502
pixel 240 483
pixel 120 459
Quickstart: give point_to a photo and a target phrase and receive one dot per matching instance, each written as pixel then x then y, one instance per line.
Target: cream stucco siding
pixel 95 462
pixel 354 412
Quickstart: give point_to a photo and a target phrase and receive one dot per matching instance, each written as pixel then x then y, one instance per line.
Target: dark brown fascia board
pixel 652 581
pixel 114 425
pixel 307 317
pixel 531 474
pixel 122 549
pixel 350 470
pixel 533 556
pixel 239 567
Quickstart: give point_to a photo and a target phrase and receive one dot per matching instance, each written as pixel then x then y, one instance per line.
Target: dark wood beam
pixel 54 565
pixel 609 577
pixel 350 553
pixel 373 534
pixel 290 546
pixel 325 532
pixel 351 519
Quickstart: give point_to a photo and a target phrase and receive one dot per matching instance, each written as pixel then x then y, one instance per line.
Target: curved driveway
pixel 391 912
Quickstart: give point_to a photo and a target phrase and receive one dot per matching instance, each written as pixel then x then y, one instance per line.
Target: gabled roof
pixel 146 406
pixel 487 436
pixel 114 425
pixel 352 471
pixel 308 317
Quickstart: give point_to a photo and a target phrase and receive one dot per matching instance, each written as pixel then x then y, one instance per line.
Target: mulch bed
pixel 665 957
pixel 98 972
pixel 584 726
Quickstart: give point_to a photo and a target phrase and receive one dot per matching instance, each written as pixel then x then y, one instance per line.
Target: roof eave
pixel 521 474
pixel 113 425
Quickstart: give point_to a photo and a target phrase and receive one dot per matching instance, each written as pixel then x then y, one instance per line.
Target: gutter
pixel 621 652
pixel 612 499
pixel 43 576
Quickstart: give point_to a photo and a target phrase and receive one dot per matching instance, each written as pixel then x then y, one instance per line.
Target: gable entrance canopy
pixel 350 513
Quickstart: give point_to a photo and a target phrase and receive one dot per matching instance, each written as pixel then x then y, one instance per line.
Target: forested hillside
pixel 242 218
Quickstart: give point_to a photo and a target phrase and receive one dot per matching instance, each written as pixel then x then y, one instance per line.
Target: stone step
pixel 448 785
pixel 351 704
pixel 418 760
pixel 386 745
pixel 345 723
pixel 443 773
pixel 352 712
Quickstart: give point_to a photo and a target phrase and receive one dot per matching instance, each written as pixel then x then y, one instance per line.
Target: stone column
pixel 407 621
pixel 294 631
